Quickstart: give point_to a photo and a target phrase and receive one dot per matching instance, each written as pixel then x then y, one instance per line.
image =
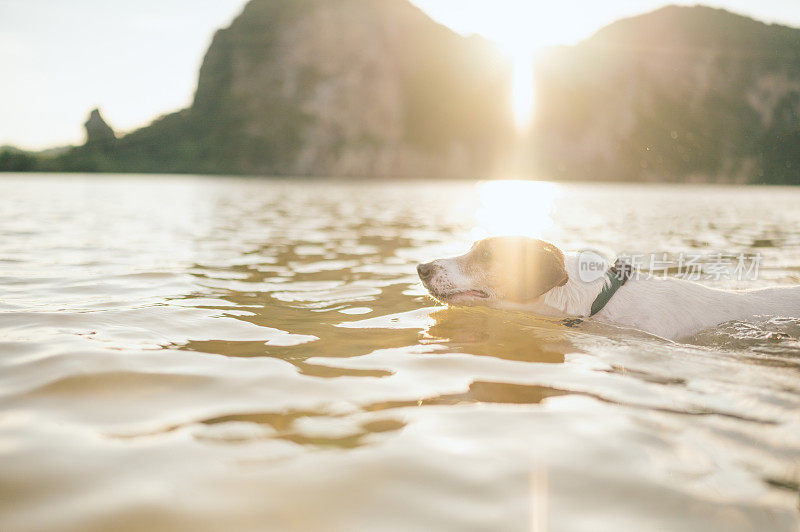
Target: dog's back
pixel 675 308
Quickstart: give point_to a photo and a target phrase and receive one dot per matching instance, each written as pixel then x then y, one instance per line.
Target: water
pixel 198 353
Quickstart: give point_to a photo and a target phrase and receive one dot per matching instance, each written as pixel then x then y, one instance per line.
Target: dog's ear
pixel 544 270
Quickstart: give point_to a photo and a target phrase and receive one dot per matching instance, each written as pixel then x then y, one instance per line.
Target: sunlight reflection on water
pixel 515 208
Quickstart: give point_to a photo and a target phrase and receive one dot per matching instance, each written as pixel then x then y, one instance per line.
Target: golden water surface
pixel 182 353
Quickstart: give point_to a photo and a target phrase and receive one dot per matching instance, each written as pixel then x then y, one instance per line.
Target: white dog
pixel 529 275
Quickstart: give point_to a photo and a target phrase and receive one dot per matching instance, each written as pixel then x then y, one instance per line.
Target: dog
pixel 533 276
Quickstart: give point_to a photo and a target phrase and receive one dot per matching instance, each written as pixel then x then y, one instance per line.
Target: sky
pixel 138 60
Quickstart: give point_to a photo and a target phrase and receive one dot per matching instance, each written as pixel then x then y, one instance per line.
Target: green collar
pixel 617 275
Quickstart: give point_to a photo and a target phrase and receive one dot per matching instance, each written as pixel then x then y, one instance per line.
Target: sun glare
pixel 522 89
pixel 519 28
pixel 522 29
pixel 515 208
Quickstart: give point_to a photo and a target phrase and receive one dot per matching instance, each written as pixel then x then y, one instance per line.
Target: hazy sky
pixel 137 60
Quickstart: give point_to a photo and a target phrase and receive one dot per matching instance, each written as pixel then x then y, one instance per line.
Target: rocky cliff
pixel 98 132
pixel 681 94
pixel 333 88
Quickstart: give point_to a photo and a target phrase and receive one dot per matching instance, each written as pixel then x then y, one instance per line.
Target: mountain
pixel 679 94
pixel 329 88
pixel 376 88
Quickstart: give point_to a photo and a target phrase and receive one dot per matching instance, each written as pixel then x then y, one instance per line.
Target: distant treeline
pixel 18 161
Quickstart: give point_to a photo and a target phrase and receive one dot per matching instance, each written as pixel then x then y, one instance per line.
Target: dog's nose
pixel 425 271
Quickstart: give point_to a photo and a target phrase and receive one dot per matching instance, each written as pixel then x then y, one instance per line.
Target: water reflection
pixel 296 427
pixel 266 348
pixel 505 335
pixel 516 208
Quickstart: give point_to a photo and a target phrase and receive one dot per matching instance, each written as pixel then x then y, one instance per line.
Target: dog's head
pixel 496 270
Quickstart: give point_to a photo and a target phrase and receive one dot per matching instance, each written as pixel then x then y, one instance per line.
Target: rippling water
pixel 198 353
